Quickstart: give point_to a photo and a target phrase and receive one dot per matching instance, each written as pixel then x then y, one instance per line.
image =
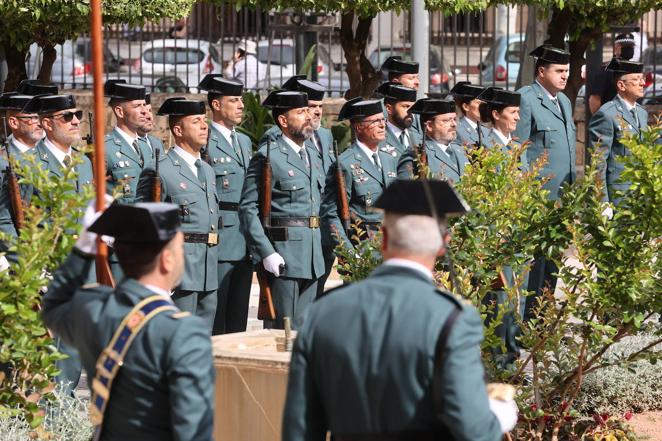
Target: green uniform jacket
pixel 165 389
pixel 154 143
pixel 440 164
pixel 198 209
pixel 363 362
pixel 467 135
pixel 363 186
pixel 492 140
pixel 550 132
pixel 50 163
pixel 6 223
pixel 611 123
pixel 391 139
pixel 296 192
pixel 124 165
pixel 230 170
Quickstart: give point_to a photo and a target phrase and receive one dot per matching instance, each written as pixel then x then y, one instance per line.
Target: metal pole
pixel 420 43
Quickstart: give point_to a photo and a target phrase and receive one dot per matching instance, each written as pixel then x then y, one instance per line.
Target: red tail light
pixel 435 78
pixel 209 65
pixel 649 78
pixel 85 69
pixel 320 68
pixel 500 73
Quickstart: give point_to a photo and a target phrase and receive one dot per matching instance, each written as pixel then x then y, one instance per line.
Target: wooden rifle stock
pixel 421 160
pixel 343 204
pixel 15 200
pixel 156 180
pixel 265 309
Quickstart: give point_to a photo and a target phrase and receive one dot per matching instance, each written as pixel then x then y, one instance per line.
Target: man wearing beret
pixel 189 182
pixel 229 153
pixel 398 100
pixel 367 166
pixel 546 121
pixel 290 249
pixel 155 382
pixel 392 357
pixel 616 119
pixel 445 159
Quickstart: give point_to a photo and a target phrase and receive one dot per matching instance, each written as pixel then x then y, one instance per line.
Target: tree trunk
pixel 558 27
pixel 363 78
pixel 15 67
pixel 49 56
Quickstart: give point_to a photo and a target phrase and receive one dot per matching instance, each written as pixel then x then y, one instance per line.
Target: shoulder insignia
pixel 180 314
pixel 387 148
pixel 90 285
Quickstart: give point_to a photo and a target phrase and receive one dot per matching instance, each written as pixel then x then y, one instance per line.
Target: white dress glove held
pixel 272 263
pixel 506 413
pixel 87 241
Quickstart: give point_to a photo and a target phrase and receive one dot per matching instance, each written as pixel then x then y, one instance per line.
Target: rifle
pixel 421 160
pixel 15 199
pixel 89 138
pixel 343 204
pixel 156 179
pixel 265 309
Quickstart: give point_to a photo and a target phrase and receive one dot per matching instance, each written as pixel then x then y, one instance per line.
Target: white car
pixel 176 59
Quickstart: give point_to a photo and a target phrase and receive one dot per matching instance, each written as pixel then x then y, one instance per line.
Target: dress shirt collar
pixel 473 125
pixel 160 291
pixel 18 144
pixel 549 95
pixel 188 158
pixel 365 149
pixel 227 133
pixel 395 129
pixel 296 147
pixel 443 147
pixel 406 263
pixel 59 154
pixel 627 105
pixel 128 138
pixel 504 140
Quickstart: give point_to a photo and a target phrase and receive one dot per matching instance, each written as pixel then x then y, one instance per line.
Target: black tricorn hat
pixel 50 104
pixel 148 99
pixel 396 92
pixel 180 106
pixel 551 54
pixel 408 197
pixel 395 64
pixel 300 83
pixel 621 66
pixel 145 222
pixel 215 83
pixel 465 90
pixel 286 99
pixel 500 97
pixel 35 87
pixel 626 39
pixel 432 107
pixel 358 108
pixel 14 101
pixel 120 90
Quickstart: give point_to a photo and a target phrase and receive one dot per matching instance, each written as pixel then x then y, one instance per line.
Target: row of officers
pixel 217 182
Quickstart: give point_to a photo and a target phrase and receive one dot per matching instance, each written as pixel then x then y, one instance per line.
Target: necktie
pixel 138 151
pixel 633 111
pixel 235 145
pixel 555 100
pixel 304 156
pixel 375 159
pixel 403 138
pixel 67 161
pixel 318 142
pixel 149 144
pixel 451 154
pixel 201 173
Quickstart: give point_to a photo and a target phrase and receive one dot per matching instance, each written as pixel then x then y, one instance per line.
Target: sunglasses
pixel 69 116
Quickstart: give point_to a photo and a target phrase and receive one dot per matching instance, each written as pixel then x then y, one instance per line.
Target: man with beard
pixel 163 388
pixel 404 73
pixel 60 119
pixel 546 121
pixel 126 153
pixel 152 141
pixel 465 95
pixel 189 182
pixel 291 248
pixel 398 99
pixel 229 152
pixel 445 158
pixel 367 166
pixel 322 143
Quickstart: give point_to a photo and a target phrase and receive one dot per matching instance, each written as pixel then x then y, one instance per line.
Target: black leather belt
pixel 310 222
pixel 393 436
pixel 228 206
pixel 208 238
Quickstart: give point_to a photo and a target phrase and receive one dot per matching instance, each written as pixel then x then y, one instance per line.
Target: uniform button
pixel 213 228
pixel 211 210
pixel 294 187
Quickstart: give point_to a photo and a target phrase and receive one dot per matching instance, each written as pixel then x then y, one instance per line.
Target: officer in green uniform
pixel 152 141
pixel 445 159
pixel 398 100
pixel 164 387
pixel 404 73
pixel 60 119
pixel 616 119
pixel 368 166
pixel 322 143
pixel 392 357
pixel 190 183
pixel 126 153
pixel 465 95
pixel 546 121
pixel 229 153
pixel 291 248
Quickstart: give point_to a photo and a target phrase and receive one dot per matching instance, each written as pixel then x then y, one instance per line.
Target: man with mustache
pixel 398 100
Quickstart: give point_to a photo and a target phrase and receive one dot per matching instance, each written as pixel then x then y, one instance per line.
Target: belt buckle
pixel 212 239
pixel 314 222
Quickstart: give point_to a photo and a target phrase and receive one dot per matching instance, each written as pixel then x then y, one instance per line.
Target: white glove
pixel 4 263
pixel 87 241
pixel 608 212
pixel 506 413
pixel 272 263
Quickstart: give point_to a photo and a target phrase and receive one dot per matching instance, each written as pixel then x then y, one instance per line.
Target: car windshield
pixel 282 54
pixel 173 55
pixel 378 57
pixel 652 56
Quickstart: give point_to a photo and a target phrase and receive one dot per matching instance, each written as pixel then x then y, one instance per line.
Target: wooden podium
pixel 251 384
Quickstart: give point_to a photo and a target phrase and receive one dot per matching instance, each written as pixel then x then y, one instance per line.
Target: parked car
pixel 440 73
pixel 652 61
pixel 500 66
pixel 176 59
pixel 73 63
